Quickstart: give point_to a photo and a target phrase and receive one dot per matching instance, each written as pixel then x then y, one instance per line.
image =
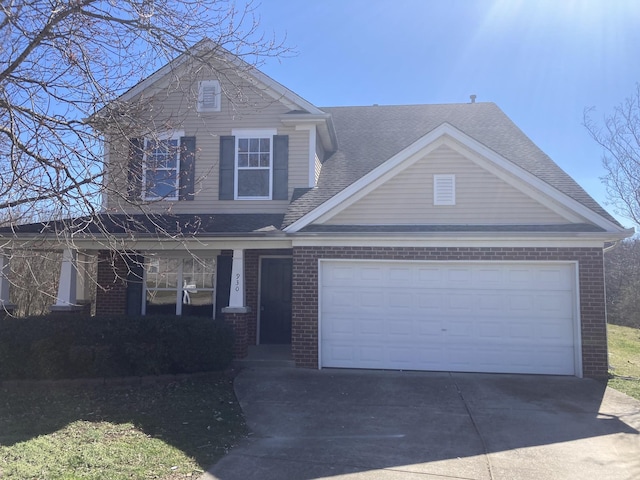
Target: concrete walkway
pixel 346 424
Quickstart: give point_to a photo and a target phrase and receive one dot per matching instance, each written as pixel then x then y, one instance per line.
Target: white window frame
pixel 444 189
pixel 253 134
pixel 205 88
pixel 181 287
pixel 159 138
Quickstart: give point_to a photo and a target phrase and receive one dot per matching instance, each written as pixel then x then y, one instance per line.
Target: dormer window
pixel 209 95
pixel 444 189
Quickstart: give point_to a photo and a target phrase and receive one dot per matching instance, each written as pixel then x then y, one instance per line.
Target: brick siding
pixel 591 290
pixel 239 323
pixel 111 292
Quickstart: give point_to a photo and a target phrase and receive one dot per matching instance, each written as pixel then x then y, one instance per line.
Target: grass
pixel 167 431
pixel 624 359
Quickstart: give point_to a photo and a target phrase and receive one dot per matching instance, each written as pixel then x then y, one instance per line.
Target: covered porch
pixel 249 288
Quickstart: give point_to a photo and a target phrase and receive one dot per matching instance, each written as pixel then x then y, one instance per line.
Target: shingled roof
pixel 154 225
pixel 369 136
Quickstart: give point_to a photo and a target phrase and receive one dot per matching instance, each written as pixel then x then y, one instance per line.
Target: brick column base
pixel 238 318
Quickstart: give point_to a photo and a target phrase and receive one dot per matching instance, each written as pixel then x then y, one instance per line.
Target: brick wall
pixel 591 289
pixel 239 323
pixel 111 293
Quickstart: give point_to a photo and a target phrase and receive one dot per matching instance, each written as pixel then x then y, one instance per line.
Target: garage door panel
pixel 491 317
pixel 461 301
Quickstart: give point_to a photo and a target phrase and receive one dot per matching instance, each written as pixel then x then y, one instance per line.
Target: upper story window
pixel 444 189
pixel 254 166
pixel 209 95
pixel 161 168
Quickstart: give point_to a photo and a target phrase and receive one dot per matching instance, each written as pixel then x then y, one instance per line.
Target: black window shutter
pixel 134 170
pixel 187 168
pixel 134 284
pixel 227 167
pixel 224 264
pixel 280 167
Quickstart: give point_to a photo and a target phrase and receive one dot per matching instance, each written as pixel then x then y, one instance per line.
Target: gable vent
pixel 444 189
pixel 209 96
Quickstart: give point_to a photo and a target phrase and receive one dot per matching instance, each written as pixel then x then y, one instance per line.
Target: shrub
pixel 51 347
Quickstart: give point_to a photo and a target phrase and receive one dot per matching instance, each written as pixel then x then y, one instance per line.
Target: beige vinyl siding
pixel 481 198
pixel 256 111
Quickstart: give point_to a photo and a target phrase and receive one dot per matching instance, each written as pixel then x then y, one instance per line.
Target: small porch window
pixel 180 286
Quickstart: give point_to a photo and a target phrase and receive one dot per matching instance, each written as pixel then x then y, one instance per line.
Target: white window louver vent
pixel 444 189
pixel 209 96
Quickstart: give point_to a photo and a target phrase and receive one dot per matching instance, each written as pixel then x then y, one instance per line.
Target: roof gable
pixel 500 134
pixel 200 53
pixel 477 197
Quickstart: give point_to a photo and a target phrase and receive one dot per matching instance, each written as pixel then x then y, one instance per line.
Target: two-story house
pixel 414 237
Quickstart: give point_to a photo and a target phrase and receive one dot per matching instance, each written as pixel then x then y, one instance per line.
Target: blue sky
pixel 541 61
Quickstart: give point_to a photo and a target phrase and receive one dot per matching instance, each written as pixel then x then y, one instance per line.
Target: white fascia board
pixel 458 239
pixel 423 147
pixel 211 243
pixel 157 244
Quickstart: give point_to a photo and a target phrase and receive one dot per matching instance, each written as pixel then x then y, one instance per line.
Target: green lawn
pixel 624 359
pixel 162 431
pixel 165 431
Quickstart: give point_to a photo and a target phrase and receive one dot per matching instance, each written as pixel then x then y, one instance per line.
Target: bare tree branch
pixel 619 137
pixel 62 61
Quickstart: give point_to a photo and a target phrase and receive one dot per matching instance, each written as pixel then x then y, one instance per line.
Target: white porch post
pixel 83 280
pixel 5 291
pixel 67 289
pixel 236 296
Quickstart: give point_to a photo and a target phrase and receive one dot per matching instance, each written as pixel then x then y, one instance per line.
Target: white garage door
pixel 449 316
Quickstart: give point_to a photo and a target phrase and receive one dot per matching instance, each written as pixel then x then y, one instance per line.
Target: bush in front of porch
pixel 56 347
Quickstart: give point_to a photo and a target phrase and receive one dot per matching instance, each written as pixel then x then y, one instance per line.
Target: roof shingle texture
pixel 369 136
pixel 155 225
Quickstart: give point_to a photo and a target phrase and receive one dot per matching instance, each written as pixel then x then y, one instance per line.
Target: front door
pixel 275 300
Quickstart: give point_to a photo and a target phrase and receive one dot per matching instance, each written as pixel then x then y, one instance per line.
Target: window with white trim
pixel 161 168
pixel 180 286
pixel 209 95
pixel 254 164
pixel 444 189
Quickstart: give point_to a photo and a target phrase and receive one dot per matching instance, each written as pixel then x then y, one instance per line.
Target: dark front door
pixel 275 300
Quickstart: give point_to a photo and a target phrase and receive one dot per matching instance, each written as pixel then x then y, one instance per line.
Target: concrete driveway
pixel 347 424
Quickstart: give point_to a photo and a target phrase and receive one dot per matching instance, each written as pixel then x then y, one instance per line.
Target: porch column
pixel 84 282
pixel 236 295
pixel 237 312
pixel 67 287
pixel 6 307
